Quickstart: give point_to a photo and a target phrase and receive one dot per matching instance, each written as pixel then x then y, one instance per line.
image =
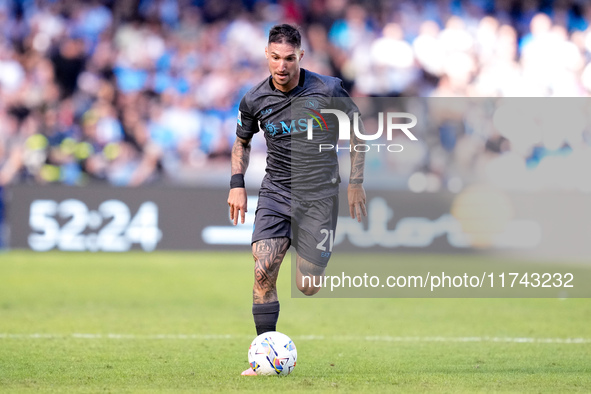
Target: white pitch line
pixel 303 338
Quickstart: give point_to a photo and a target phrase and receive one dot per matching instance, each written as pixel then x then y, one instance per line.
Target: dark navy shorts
pixel 309 224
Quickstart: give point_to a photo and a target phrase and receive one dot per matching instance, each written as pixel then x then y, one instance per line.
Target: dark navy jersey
pixel 295 164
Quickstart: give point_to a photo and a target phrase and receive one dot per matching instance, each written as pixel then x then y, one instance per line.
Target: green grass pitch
pixel 181 322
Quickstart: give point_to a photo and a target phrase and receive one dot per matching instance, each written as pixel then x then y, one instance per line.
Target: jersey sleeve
pixel 343 100
pixel 246 124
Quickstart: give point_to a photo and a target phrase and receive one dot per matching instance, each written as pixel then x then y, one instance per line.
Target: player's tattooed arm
pixel 355 191
pixel 268 255
pixel 237 198
pixel 357 158
pixel 240 155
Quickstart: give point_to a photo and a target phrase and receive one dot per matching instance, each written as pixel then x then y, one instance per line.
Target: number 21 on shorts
pixel 328 236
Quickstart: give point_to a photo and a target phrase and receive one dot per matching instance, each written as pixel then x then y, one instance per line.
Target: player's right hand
pixel 237 202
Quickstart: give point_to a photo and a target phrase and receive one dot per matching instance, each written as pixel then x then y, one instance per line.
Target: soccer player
pixel 298 198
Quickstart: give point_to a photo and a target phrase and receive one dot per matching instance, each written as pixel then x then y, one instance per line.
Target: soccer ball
pixel 272 353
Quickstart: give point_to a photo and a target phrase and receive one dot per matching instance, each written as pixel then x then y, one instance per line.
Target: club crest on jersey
pixel 311 104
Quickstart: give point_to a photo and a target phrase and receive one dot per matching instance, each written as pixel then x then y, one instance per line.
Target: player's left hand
pixel 356 195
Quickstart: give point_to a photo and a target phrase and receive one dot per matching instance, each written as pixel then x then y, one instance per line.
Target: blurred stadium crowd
pixel 147 91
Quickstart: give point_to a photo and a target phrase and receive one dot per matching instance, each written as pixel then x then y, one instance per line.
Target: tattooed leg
pixel 268 255
pixel 314 276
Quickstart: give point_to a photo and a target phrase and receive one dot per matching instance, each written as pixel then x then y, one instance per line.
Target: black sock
pixel 265 316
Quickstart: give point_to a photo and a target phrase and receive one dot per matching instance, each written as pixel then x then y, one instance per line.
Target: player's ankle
pixel 265 316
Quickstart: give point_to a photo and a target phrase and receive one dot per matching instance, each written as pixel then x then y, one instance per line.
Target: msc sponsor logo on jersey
pixel 296 125
pixel 271 129
pixel 289 126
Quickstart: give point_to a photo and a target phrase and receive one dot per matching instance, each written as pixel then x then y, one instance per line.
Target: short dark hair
pixel 285 33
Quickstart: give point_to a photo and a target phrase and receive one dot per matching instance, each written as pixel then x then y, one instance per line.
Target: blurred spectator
pixel 113 92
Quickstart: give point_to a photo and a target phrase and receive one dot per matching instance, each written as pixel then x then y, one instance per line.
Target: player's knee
pixel 310 291
pixel 270 252
pixel 310 287
pixel 268 255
